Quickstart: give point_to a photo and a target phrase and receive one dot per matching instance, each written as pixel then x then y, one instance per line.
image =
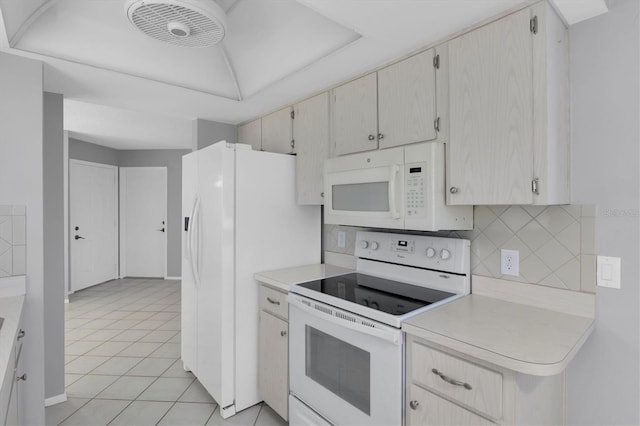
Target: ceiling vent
pixel 188 23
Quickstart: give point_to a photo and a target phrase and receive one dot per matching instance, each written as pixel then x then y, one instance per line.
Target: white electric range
pixel 346 349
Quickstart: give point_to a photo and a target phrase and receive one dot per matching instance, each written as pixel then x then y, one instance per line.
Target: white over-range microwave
pixel 396 188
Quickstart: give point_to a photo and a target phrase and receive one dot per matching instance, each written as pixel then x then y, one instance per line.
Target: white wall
pixel 603 380
pixel 21 183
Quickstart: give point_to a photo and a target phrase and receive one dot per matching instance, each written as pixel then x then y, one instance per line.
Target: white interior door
pixel 143 221
pixel 93 208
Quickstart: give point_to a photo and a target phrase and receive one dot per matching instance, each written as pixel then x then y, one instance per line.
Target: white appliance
pixel 396 188
pixel 346 348
pixel 240 217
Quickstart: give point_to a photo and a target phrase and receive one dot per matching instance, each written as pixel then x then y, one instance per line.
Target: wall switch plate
pixel 510 262
pixel 608 271
pixel 342 239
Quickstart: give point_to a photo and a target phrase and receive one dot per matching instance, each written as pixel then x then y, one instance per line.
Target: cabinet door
pixel 407 101
pixel 490 158
pixel 251 134
pixel 311 133
pixel 425 408
pixel 274 363
pixel 276 132
pixel 355 116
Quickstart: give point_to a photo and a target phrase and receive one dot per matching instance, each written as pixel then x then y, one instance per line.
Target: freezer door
pixel 189 312
pixel 214 252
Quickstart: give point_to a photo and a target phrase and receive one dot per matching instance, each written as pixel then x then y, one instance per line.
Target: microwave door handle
pixel 393 174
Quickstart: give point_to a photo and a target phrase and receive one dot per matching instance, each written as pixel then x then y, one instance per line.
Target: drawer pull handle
pixel 21 334
pixel 450 380
pixel 273 302
pixel 414 405
pixel 23 377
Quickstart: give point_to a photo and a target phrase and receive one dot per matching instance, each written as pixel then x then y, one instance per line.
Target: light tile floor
pixel 123 362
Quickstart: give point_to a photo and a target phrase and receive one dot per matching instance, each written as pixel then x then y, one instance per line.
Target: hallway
pixel 123 367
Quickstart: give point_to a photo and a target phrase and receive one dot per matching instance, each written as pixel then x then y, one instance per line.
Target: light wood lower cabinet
pixel 429 409
pixel 11 405
pixel 449 388
pixel 274 352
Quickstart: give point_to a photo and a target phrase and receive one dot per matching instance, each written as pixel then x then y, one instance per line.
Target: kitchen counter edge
pixel 283 279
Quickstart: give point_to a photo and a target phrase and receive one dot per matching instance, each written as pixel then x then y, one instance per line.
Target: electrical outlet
pixel 342 239
pixel 510 262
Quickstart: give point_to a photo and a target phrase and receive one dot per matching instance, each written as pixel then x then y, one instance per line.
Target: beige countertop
pixel 519 337
pixel 283 279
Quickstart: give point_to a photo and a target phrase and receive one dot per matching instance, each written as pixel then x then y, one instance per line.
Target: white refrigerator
pixel 239 217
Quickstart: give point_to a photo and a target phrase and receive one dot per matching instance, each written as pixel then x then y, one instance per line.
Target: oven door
pixel 347 368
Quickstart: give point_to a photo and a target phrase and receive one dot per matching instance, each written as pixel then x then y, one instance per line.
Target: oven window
pixel 340 367
pixel 361 197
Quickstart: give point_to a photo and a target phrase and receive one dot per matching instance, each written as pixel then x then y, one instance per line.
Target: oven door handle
pixel 394 337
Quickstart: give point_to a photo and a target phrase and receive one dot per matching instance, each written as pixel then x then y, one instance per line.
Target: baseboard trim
pixel 55 399
pixel 172 278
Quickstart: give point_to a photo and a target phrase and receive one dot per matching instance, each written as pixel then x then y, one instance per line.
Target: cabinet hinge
pixel 436 62
pixel 533 25
pixel 293 144
pixel 293 114
pixel 534 186
pixel 436 124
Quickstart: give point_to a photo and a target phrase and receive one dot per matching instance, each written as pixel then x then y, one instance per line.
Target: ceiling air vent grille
pixel 188 23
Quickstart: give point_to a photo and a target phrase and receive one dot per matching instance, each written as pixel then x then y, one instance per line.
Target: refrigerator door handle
pixel 189 229
pixel 194 241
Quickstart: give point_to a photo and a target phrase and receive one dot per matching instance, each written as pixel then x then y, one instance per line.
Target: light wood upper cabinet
pixel 276 132
pixel 311 135
pixel 251 134
pixel 509 108
pixel 407 101
pixel 355 115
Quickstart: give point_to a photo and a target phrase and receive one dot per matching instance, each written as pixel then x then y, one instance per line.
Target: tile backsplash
pixel 13 240
pixel 556 243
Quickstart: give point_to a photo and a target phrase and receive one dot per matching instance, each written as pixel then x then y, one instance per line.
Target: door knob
pixel 78 237
pixel 77 228
pixel 161 229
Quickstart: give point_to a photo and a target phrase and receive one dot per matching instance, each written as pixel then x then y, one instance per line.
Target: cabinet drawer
pixel 425 408
pixel 470 384
pixel 274 301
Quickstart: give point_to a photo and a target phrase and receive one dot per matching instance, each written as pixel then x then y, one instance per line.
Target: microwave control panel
pixel 415 194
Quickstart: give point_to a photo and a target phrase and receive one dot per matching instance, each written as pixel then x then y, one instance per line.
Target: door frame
pixel 116 247
pixel 123 220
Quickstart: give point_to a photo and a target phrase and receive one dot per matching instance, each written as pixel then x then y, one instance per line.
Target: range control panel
pixel 423 251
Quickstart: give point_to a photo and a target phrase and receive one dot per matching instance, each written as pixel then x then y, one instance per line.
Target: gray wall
pixel 207 132
pixel 172 160
pixel 602 381
pixel 169 158
pixel 85 151
pixel 21 184
pixel 54 291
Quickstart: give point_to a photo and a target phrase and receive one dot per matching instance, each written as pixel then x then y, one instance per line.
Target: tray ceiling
pixel 276 52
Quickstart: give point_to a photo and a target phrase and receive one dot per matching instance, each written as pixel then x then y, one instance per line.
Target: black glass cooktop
pixel 385 295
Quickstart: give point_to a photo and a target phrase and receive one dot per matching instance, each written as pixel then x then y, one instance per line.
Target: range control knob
pixel 364 244
pixel 431 252
pixel 374 245
pixel 445 254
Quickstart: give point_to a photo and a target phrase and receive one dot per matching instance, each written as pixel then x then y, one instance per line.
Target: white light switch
pixel 608 271
pixel 342 239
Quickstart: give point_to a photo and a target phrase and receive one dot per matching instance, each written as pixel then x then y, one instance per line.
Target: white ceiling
pixel 125 90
